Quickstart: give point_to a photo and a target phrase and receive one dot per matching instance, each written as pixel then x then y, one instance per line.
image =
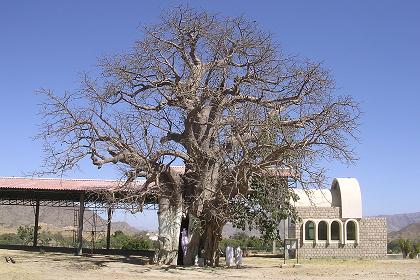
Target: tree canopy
pixel 215 93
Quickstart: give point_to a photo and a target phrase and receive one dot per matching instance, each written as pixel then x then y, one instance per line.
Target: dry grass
pixel 63 266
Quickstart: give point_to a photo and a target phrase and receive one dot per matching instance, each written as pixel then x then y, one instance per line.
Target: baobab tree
pixel 214 93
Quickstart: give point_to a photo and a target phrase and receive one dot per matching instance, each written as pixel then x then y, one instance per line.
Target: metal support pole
pixel 284 254
pixel 35 244
pixel 284 241
pixel 80 226
pixel 274 246
pixel 108 229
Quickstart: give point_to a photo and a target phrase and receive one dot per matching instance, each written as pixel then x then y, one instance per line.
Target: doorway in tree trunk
pixel 181 253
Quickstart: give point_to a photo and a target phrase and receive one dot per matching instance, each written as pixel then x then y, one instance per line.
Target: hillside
pixel 411 232
pixel 399 221
pixel 54 219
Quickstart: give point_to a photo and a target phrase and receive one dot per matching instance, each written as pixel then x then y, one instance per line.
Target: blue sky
pixel 371 47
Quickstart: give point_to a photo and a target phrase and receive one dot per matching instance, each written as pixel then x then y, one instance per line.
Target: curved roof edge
pixel 346 193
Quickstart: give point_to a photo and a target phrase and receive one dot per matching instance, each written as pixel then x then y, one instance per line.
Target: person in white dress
pixel 184 241
pixel 229 256
pixel 238 257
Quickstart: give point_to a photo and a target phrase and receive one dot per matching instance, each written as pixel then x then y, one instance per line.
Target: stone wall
pixel 319 212
pixel 372 237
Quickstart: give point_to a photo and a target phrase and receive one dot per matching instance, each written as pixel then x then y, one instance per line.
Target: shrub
pixel 26 234
pixel 245 242
pixel 63 241
pixel 10 238
pixel 405 246
pixel 393 247
pixel 120 240
pixel 409 248
pixel 415 249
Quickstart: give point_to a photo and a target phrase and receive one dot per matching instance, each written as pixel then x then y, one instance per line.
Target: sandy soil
pixel 61 266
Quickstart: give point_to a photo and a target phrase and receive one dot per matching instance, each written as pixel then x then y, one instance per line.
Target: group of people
pixel 233 257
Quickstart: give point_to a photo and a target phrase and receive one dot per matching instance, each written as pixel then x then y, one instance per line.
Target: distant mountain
pixel 411 231
pixel 54 219
pixel 399 221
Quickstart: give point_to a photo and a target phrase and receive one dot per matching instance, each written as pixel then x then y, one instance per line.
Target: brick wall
pixel 372 236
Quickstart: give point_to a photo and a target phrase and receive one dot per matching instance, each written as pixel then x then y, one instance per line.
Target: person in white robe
pixel 238 257
pixel 229 256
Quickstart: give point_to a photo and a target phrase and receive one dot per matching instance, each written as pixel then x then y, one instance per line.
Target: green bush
pixel 26 234
pixel 120 240
pixel 415 249
pixel 393 247
pixel 245 242
pixel 10 238
pixel 409 248
pixel 62 241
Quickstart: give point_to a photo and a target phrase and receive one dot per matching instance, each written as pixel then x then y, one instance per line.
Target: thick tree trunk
pixel 169 216
pixel 194 244
pixel 205 238
pixel 204 243
pixel 211 237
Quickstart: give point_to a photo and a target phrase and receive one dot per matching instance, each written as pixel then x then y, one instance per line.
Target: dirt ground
pixel 30 265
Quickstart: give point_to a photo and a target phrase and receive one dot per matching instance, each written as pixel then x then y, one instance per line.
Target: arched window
pixel 309 230
pixel 322 230
pixel 351 230
pixel 335 230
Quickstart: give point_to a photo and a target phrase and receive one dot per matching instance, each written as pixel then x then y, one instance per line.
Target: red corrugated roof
pixel 89 184
pixel 60 184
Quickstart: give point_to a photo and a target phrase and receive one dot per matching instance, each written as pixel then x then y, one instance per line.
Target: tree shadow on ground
pixel 85 261
pixel 93 262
